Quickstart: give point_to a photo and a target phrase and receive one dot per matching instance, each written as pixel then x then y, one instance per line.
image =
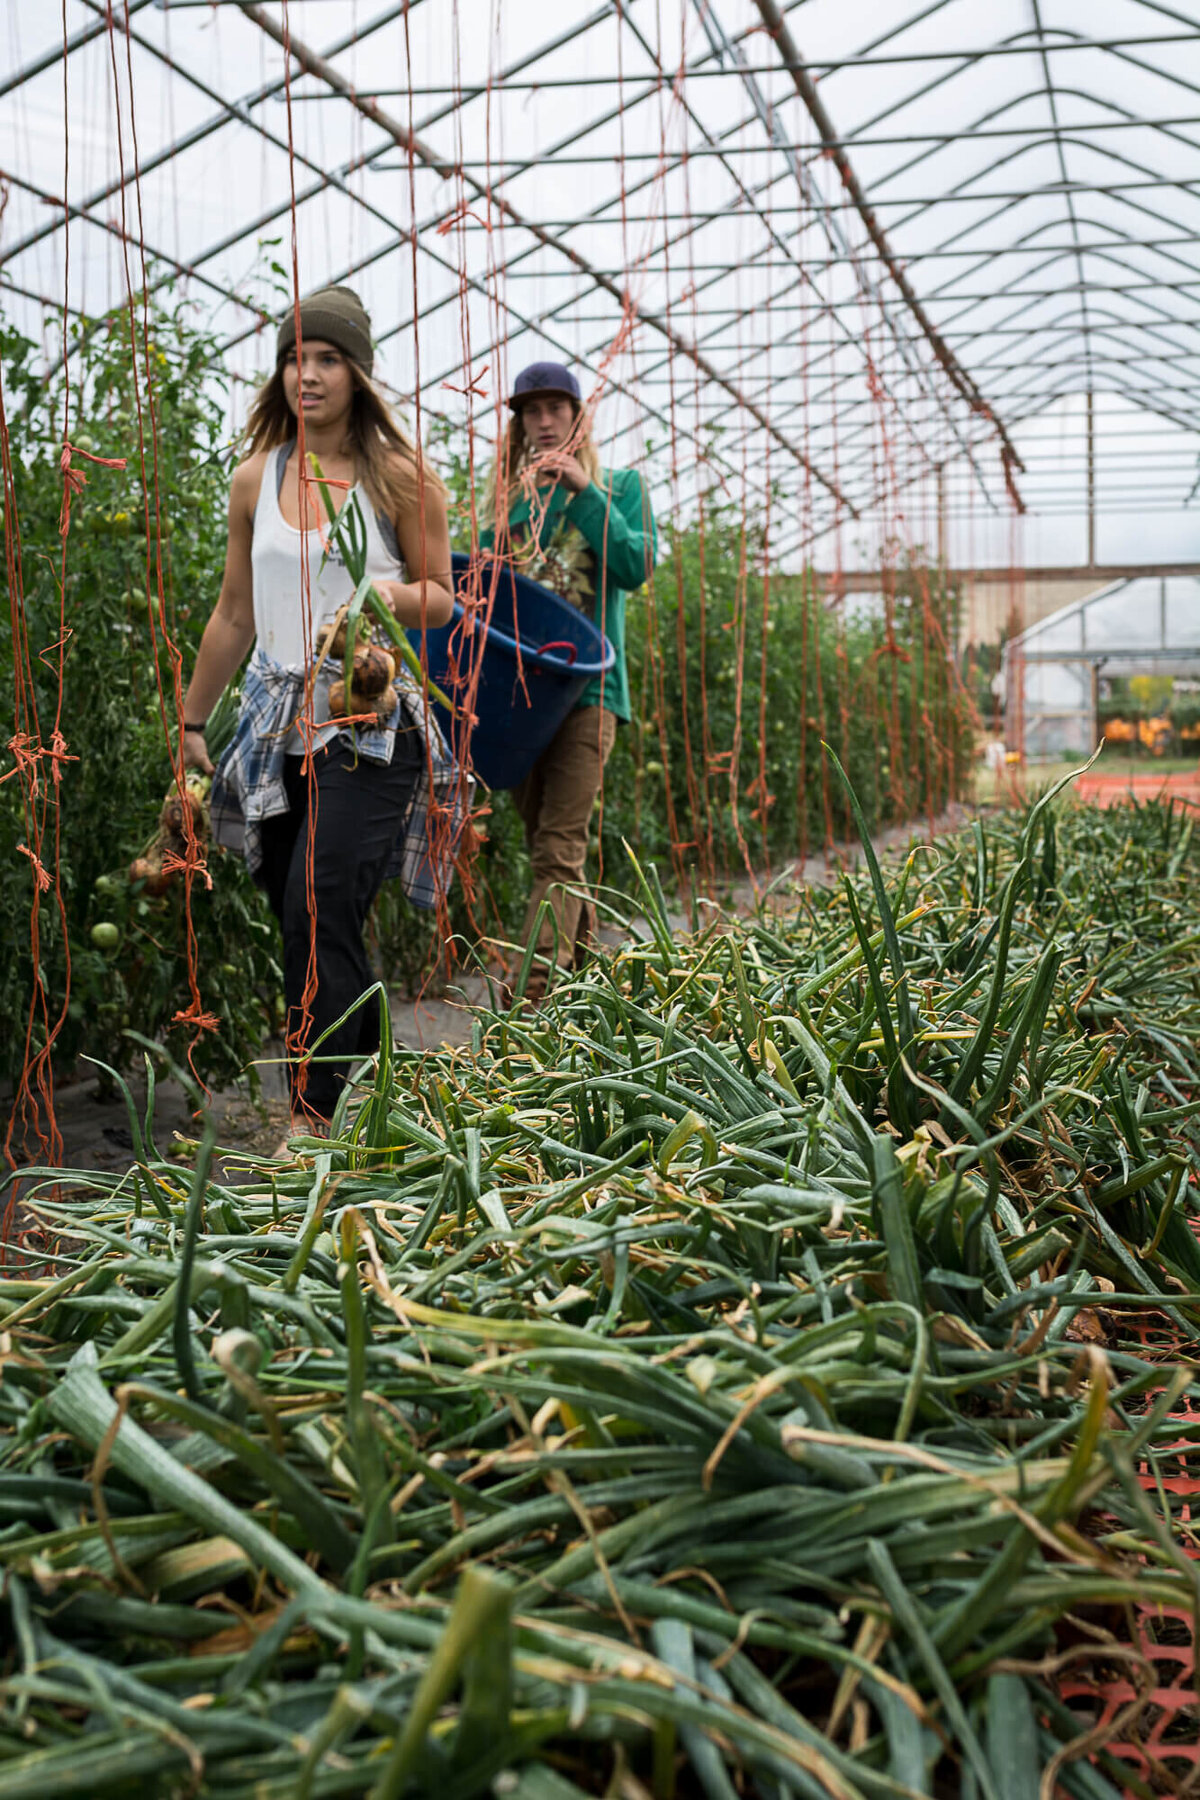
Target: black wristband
pixel 198 729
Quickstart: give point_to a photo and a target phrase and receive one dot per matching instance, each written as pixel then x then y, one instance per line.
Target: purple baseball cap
pixel 544 378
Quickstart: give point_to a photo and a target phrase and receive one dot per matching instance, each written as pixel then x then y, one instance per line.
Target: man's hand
pixel 195 752
pixel 566 468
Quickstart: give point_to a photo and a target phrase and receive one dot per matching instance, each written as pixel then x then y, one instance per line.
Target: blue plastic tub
pixel 539 654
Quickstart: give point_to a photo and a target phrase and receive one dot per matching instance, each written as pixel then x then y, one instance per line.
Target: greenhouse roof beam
pixel 988 251
pixel 8 286
pixel 1104 573
pixel 816 209
pixel 568 303
pixel 825 352
pixel 947 248
pixel 237 110
pixel 1096 353
pixel 698 154
pixel 768 116
pixel 405 237
pixel 850 433
pixel 691 221
pixel 316 65
pixel 1131 652
pixel 1147 395
pixel 47 60
pixel 327 179
pixel 542 319
pixel 987 52
pixel 650 375
pixel 695 224
pixel 1192 388
pixel 1041 404
pixel 335 178
pixel 983 126
pixel 475 90
pixel 1110 322
pixel 337 181
pixel 940 139
pixel 123 236
pixel 777 26
pixel 1097 287
pixel 538 323
pixel 1077 247
pixel 750 349
pixel 815 311
pixel 900 476
pixel 1024 305
pixel 722 45
pixel 1116 254
pixel 1017 321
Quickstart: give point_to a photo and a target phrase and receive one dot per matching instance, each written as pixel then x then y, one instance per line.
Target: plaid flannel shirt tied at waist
pixel 248 784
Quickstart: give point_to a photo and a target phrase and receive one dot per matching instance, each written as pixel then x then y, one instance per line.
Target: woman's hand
pixel 195 752
pixel 394 593
pixel 406 599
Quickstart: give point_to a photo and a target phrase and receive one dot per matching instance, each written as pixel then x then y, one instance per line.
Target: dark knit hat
pixel 335 314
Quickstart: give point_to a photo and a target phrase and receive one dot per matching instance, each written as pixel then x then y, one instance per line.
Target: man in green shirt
pixel 588 534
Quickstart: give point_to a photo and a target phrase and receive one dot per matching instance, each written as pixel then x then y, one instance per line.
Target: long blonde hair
pixel 390 465
pixel 514 455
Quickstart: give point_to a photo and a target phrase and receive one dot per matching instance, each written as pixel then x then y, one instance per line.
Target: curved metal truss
pixel 880 266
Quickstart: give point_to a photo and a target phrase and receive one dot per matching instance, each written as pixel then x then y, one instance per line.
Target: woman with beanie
pixel 319 810
pixel 588 534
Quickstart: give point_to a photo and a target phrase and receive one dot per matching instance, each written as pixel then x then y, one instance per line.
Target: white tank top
pixel 282 597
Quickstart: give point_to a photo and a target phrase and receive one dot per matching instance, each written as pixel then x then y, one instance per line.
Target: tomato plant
pixel 143 564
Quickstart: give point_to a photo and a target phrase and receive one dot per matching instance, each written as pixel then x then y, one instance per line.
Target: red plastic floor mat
pixel 1162 1740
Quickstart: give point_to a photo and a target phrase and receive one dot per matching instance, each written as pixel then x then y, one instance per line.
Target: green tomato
pixel 106 935
pixel 110 885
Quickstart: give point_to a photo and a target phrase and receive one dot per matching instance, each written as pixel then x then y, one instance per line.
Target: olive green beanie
pixel 335 314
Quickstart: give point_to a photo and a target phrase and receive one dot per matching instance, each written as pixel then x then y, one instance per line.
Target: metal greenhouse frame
pixel 914 280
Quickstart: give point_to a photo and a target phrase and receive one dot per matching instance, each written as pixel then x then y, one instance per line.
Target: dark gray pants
pixel 360 808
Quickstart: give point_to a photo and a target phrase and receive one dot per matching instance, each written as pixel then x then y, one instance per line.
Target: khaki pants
pixel 555 802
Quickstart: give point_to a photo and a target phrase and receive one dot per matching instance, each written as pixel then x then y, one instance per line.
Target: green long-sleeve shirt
pixel 595 548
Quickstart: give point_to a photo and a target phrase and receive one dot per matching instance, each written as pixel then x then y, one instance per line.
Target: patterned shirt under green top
pixel 593 549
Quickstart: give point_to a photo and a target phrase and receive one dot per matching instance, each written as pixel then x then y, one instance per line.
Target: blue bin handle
pixel 561 644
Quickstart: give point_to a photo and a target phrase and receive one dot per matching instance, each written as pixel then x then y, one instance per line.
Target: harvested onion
pixel 380 704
